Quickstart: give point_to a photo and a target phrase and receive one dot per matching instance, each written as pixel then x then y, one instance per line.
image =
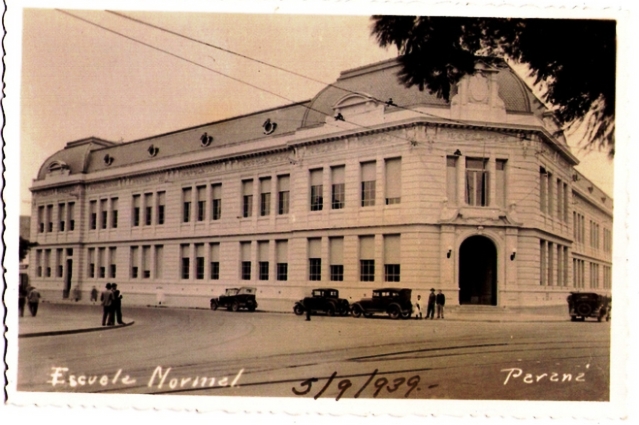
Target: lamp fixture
pixel 450 251
pixel 513 254
pixel 457 153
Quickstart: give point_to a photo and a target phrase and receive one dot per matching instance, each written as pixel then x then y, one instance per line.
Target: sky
pixel 81 80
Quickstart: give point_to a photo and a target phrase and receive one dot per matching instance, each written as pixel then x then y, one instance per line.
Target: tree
pixel 573 62
pixel 25 246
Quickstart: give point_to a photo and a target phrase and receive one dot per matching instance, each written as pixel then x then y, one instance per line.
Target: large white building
pixel 367 185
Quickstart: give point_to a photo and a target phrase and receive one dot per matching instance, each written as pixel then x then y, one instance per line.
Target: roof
pixel 377 81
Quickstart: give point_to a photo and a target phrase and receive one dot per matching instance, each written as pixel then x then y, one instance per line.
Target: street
pixel 201 352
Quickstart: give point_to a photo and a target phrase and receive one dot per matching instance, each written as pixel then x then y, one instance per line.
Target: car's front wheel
pixel 214 305
pixel 330 310
pixel 235 307
pixel 357 311
pixel 298 309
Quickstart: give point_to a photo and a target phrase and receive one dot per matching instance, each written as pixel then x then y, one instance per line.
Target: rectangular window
pixel 566 202
pixel 161 206
pixel 367 258
pixel 560 199
pixel 216 201
pixel 148 209
pixel 101 263
pixel 186 204
pixel 245 256
pixel 185 255
pixel 136 210
pixel 146 262
pixel 392 258
pixel 104 211
pixel 262 258
pixel 543 189
pixel 543 273
pixel 451 179
pixel 393 181
pixel 199 261
pixel 201 203
pixel 247 198
pixel 47 263
pixel 214 252
pixel 550 194
pixel 58 262
pixel 594 275
pixel 317 189
pixel 336 258
pixel 265 196
pixel 135 257
pixel 281 258
pixel 41 219
pixel 368 178
pixel 91 271
pixel 93 215
pixel 315 259
pixel 283 192
pixel 114 213
pixel 71 212
pixel 50 218
pixel 551 263
pixel 476 182
pixel 500 182
pixel 338 187
pixel 112 262
pixel 61 217
pixel 39 263
pixel 391 272
pixel 159 261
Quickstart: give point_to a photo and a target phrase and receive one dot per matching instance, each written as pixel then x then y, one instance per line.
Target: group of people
pixel 111 299
pixel 435 302
pixel 28 294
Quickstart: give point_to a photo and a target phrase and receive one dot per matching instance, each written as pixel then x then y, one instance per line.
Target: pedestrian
pixel 432 299
pixel 308 312
pixel 77 294
pixel 94 294
pixel 418 307
pixel 23 291
pixel 441 300
pixel 117 304
pixel 107 299
pixel 34 300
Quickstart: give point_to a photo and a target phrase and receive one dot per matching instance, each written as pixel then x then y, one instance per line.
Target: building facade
pixel 367 185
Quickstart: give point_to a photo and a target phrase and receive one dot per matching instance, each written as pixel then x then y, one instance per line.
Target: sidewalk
pixel 63 318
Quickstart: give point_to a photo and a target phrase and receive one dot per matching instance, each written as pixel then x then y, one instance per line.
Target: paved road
pixel 179 351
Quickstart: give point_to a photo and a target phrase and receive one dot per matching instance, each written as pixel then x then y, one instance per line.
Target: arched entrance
pixel 478 271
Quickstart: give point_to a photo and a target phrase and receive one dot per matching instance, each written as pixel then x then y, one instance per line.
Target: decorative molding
pixel 153 150
pixel 269 126
pixel 108 160
pixel 205 140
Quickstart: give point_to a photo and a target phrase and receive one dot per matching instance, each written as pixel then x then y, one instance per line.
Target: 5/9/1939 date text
pixel 380 384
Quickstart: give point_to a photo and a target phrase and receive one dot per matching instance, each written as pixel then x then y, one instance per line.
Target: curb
pixel 74 331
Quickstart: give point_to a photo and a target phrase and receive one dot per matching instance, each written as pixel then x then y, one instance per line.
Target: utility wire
pixel 387 102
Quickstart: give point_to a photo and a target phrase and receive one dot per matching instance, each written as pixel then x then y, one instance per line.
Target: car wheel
pixel 298 309
pixel 584 309
pixel 213 305
pixel 235 307
pixel 405 315
pixel 394 313
pixel 357 311
pixel 330 310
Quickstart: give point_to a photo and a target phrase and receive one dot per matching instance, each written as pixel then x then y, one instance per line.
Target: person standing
pixel 94 295
pixel 432 299
pixel 23 292
pixel 107 299
pixel 34 300
pixel 441 300
pixel 418 307
pixel 117 304
pixel 307 307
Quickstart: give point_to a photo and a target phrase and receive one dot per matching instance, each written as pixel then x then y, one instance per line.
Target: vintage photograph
pixel 317 207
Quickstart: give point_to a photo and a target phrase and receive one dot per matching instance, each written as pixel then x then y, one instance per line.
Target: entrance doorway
pixel 478 271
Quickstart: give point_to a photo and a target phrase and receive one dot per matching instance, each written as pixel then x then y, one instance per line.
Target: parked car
pixel 325 300
pixel 392 301
pixel 589 304
pixel 235 299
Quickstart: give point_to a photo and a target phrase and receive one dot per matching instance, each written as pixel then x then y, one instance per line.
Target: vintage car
pixel 589 304
pixel 235 299
pixel 392 301
pixel 325 300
